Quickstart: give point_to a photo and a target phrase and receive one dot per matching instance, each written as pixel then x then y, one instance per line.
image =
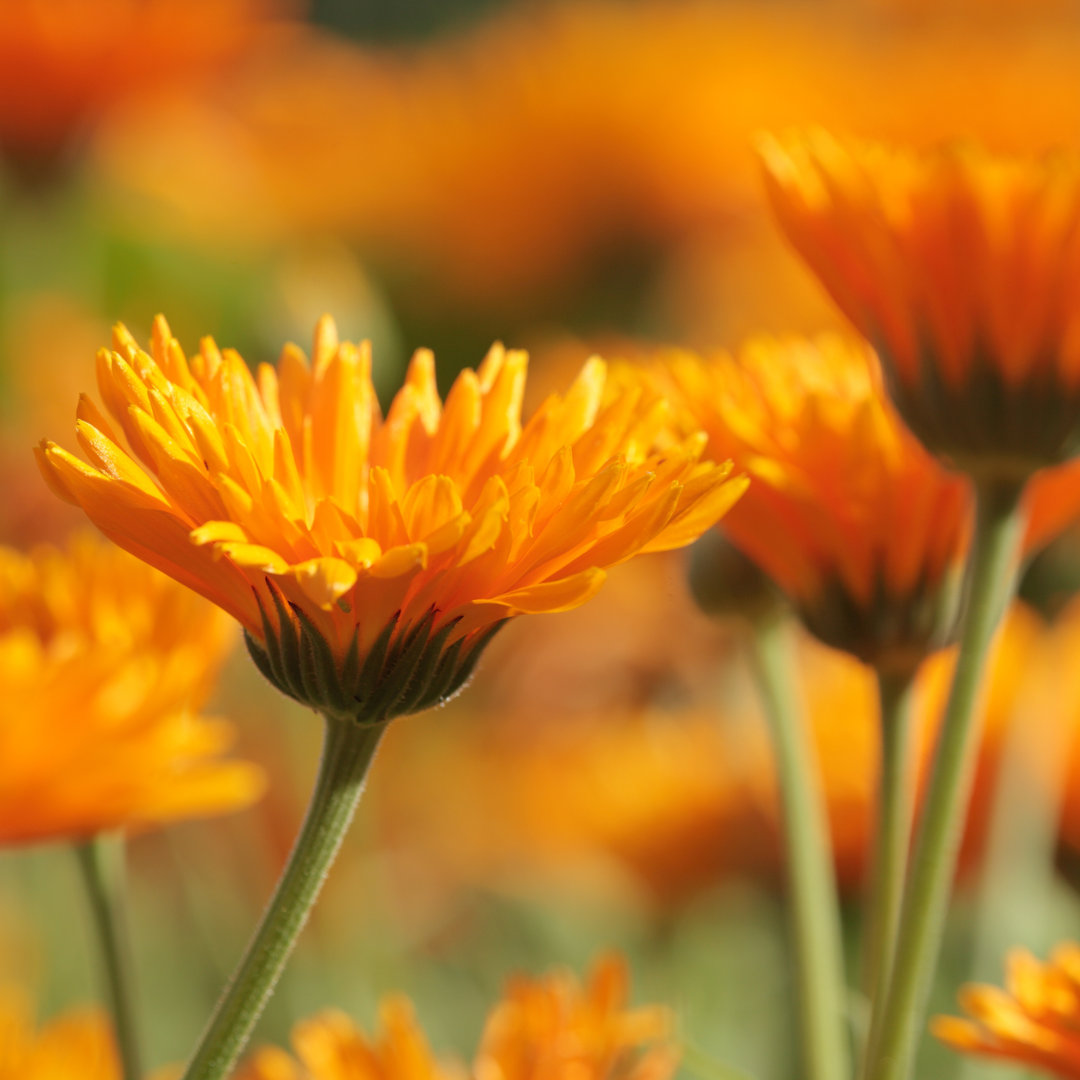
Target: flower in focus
pixel 369 560
pixel 77 1044
pixel 846 511
pixel 1034 1022
pixel 64 63
pixel 543 1029
pixel 104 663
pixel 963 270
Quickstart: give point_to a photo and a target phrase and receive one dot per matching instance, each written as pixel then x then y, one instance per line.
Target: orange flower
pixel 963 269
pixel 544 1029
pixel 846 511
pixel 1034 1022
pixel 368 559
pixel 79 1043
pixel 63 63
pixel 104 662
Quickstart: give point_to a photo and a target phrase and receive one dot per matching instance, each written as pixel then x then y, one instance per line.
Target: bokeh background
pixel 568 177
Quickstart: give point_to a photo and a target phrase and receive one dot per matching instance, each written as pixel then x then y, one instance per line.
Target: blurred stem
pixel 898 1018
pixel 102 863
pixel 814 908
pixel 348 750
pixel 891 831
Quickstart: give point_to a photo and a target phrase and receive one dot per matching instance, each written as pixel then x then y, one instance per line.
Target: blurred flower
pixel 77 1044
pixel 550 1028
pixel 648 799
pixel 506 182
pixel 963 269
pixel 104 663
pixel 845 511
pixel 1034 1022
pixel 370 560
pixel 63 63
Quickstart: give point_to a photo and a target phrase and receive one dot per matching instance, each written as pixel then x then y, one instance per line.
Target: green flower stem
pixel 898 1018
pixel 348 751
pixel 814 909
pixel 892 831
pixel 101 862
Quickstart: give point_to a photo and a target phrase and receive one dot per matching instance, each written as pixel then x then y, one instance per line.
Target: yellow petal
pixel 551 596
pixel 324 580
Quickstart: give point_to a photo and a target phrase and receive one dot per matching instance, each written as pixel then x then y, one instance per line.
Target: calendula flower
pixel 1033 1022
pixel 369 560
pixel 105 664
pixel 543 1029
pixel 963 269
pixel 846 511
pixel 77 1044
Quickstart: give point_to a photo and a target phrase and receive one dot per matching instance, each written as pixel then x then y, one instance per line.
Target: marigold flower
pixel 104 663
pixel 963 269
pixel 846 512
pixel 369 560
pixel 1035 1021
pixel 543 1029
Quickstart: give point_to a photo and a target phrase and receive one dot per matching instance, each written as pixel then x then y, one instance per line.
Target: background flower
pixel 106 664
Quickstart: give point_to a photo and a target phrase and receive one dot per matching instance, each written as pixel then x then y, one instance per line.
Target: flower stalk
pixel 101 862
pixel 348 750
pixel 814 907
pixel 898 1017
pixel 892 831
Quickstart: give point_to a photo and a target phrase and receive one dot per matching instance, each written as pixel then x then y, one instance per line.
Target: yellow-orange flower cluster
pixel 551 1028
pixel 369 559
pixel 846 511
pixel 1034 1022
pixel 104 663
pixel 963 269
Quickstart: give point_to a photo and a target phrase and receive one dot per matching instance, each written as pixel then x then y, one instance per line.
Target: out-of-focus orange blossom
pixel 647 801
pixel 503 178
pixel 105 664
pixel 845 510
pixel 548 1028
pixel 1033 1022
pixel 64 63
pixel 290 501
pixel 962 267
pixel 77 1044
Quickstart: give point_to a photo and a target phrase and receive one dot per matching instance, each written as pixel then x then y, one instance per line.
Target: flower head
pixel 104 663
pixel 1033 1022
pixel 550 1028
pixel 369 559
pixel 963 270
pixel 846 511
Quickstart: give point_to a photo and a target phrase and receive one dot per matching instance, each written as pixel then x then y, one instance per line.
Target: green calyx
pixel 891 633
pixel 407 669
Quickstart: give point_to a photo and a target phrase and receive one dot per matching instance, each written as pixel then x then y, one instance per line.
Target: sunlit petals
pixel 452 516
pixel 1034 1022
